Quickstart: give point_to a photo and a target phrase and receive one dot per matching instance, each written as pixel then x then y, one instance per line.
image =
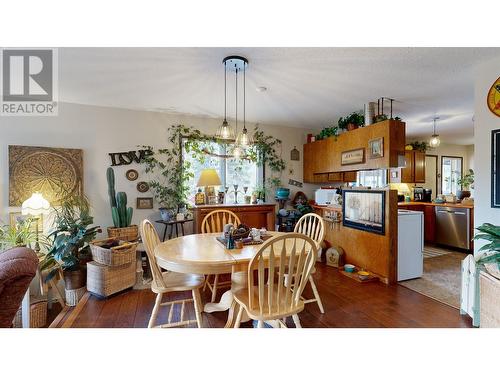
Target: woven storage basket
pixel 130 233
pixel 73 296
pixel 124 253
pixel 105 280
pixel 38 315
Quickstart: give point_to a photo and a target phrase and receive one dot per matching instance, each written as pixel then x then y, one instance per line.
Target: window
pixel 451 171
pixel 376 178
pixel 232 171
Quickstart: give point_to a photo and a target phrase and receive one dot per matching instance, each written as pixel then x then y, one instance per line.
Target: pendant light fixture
pixel 244 138
pixel 225 131
pixel 435 141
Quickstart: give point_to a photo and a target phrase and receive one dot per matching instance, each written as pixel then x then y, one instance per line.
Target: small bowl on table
pixel 349 268
pixel 363 275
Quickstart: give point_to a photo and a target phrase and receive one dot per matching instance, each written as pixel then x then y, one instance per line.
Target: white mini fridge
pixel 410 244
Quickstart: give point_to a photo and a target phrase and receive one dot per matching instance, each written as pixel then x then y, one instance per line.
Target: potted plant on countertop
pixel 466 182
pixel 351 122
pixel 70 249
pixel 121 214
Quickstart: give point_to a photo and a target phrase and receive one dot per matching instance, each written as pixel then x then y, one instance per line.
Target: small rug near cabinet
pixel 431 251
pixel 441 279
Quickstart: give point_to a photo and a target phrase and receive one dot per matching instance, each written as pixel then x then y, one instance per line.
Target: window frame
pixel 261 169
pixel 461 171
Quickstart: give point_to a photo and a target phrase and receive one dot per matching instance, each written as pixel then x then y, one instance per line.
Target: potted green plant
pixel 352 121
pixel 22 234
pixel 466 182
pixel 489 254
pixel 122 215
pixel 70 237
pixel 332 131
pixel 280 192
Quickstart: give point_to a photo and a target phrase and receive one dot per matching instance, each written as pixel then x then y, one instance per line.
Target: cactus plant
pixel 121 214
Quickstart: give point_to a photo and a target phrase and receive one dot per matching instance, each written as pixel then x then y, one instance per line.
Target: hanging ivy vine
pixel 169 172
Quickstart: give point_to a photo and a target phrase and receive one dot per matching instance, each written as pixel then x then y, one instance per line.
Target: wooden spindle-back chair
pixel 313 226
pixel 214 223
pixel 167 281
pixel 274 297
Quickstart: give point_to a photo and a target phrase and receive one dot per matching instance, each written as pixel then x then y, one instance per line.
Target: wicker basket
pixel 130 233
pixel 124 253
pixel 38 315
pixel 73 296
pixel 105 280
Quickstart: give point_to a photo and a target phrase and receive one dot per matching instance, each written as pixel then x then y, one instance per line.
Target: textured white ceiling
pixel 307 87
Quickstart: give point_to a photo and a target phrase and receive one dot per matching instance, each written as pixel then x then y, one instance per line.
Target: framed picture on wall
pixel 376 148
pixel 144 203
pixel 495 168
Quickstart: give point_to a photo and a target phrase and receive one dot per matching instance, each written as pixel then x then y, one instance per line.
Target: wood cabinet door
pixel 429 224
pixel 320 178
pixel 408 173
pixel 419 167
pixel 335 177
pixel 350 176
pixel 308 161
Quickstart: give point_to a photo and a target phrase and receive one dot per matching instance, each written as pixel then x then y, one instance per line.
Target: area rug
pixel 431 252
pixel 441 279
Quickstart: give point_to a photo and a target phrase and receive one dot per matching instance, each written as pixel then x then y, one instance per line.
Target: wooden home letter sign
pixel 126 158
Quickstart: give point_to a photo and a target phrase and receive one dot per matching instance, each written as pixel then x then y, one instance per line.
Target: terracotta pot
pixel 75 279
pixel 351 127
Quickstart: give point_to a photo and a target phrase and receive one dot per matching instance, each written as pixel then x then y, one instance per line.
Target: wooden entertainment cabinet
pixel 253 215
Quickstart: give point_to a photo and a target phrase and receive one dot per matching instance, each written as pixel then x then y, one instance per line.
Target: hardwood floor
pixel 347 303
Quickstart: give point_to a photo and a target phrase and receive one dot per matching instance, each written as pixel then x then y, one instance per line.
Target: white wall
pixel 484 123
pixel 100 130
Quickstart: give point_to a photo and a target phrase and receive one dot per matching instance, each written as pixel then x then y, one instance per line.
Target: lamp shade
pixel 209 177
pixel 35 205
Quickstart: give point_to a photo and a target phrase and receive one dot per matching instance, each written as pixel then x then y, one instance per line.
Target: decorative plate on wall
pixel 142 186
pixel 494 98
pixel 132 174
pixel 51 171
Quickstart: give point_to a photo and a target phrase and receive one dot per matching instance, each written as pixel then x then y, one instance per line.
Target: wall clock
pixel 494 98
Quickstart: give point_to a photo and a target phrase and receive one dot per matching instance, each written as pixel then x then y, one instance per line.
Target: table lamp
pixel 35 206
pixel 208 179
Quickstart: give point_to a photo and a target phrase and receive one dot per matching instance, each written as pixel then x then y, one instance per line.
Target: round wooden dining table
pixel 203 254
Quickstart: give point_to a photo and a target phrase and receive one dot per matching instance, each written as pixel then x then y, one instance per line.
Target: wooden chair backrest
pixel 214 222
pixel 283 288
pixel 313 226
pixel 150 239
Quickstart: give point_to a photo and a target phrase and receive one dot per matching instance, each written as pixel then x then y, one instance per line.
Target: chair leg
pixel 260 324
pixel 316 295
pixel 197 306
pixel 238 317
pixel 214 288
pixel 154 313
pixel 206 282
pixel 296 321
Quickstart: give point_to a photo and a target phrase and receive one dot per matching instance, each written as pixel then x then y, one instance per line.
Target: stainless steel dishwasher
pixel 452 226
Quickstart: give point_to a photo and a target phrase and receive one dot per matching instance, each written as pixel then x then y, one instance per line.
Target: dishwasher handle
pixel 451 212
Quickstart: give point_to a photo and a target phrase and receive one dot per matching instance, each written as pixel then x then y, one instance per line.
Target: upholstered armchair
pixel 17 268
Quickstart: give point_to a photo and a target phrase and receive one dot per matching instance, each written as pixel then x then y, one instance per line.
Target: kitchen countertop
pixel 455 205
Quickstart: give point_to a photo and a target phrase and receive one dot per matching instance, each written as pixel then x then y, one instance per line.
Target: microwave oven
pixel 325 197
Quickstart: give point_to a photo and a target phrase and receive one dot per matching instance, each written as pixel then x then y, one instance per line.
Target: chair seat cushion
pixel 277 312
pixel 176 281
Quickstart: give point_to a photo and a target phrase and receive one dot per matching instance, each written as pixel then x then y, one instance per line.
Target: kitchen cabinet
pixel 325 156
pixel 414 172
pixel 430 224
pixel 324 178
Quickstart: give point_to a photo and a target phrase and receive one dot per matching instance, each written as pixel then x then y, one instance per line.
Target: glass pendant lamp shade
pixel 225 131
pixel 435 141
pixel 244 138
